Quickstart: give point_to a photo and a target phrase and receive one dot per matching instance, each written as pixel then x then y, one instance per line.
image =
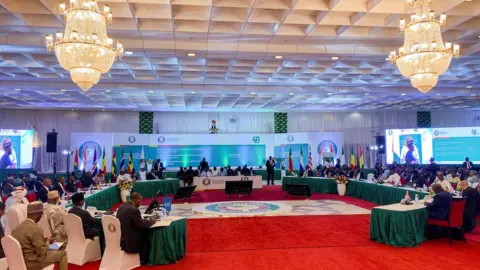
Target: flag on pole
pixel 94 166
pixel 114 163
pixel 360 160
pixel 331 149
pixel 130 162
pixel 302 168
pixel 75 160
pixel 122 160
pixel 84 154
pixel 104 163
pixel 142 154
pixel 310 160
pixel 290 161
pixel 352 159
pixel 342 158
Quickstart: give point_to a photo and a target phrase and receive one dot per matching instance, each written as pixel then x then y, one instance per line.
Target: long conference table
pixel 167 243
pixel 392 223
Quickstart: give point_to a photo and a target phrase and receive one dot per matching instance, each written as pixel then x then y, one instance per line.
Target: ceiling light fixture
pixel 329 94
pixel 63 90
pixel 366 94
pixel 252 93
pixel 473 95
pixel 469 86
pixel 17 89
pixel 291 94
pixel 278 57
pixel 403 94
pixel 84 49
pixel 103 109
pixel 191 54
pixel 128 53
pixel 424 56
pixel 193 92
pixel 108 91
pixel 150 91
pixel 438 94
pixel 335 58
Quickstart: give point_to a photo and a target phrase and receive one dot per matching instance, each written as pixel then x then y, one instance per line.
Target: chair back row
pixel 455 216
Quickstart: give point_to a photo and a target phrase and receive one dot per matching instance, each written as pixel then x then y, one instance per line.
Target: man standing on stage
pixel 203 165
pixel 270 170
pixel 158 168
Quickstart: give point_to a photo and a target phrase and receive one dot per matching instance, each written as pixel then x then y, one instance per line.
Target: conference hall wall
pixel 177 150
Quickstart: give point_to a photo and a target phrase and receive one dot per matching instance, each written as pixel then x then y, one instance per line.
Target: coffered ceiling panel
pixel 242 55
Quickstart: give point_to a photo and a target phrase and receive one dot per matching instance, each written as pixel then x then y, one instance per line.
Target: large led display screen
pixel 446 145
pixel 16 149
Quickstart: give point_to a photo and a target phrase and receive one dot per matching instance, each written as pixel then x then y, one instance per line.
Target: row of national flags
pixel 95 169
pixel 353 159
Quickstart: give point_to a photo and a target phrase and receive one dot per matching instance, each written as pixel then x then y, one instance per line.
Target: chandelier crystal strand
pixel 84 48
pixel 424 56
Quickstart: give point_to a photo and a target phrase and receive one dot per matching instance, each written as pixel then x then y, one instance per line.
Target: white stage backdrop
pixel 177 150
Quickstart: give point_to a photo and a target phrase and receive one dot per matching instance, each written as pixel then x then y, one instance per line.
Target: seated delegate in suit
pixel 181 174
pixel 230 172
pixel 87 180
pixel 88 221
pixel 60 186
pixel 34 246
pixel 9 185
pixel 189 174
pixel 26 183
pixel 134 238
pixel 43 189
pixel 245 171
pixel 471 196
pixel 252 171
pixel 71 186
pixel 440 206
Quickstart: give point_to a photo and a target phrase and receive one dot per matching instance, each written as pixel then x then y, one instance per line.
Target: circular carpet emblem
pixel 241 208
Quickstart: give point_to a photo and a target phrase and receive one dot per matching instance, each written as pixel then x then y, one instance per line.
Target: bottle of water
pixel 416 198
pixel 91 189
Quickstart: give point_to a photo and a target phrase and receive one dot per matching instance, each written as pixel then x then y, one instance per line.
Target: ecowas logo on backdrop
pixel 86 151
pixel 131 139
pixel 327 146
pixel 161 139
pixel 290 138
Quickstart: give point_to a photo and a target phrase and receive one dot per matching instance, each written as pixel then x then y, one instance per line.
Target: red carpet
pixel 307 242
pixel 268 193
pixel 474 235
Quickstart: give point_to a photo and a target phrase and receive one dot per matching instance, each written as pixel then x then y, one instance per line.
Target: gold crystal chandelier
pixel 85 49
pixel 423 56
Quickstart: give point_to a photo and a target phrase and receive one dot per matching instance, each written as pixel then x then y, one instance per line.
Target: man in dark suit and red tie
pixel 467 164
pixel 440 206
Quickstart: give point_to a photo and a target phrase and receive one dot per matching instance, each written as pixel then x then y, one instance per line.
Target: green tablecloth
pixel 375 193
pixel 105 199
pixel 379 194
pixel 149 188
pixel 168 244
pixel 316 184
pixel 398 228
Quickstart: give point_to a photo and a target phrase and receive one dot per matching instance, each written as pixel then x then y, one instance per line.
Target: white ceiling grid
pixel 235 42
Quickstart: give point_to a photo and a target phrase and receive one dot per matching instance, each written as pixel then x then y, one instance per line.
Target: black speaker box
pixel 380 141
pixel 52 142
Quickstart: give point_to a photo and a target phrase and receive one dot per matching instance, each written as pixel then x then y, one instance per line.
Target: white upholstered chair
pixel 15 215
pixel 79 249
pixel 14 255
pixel 47 232
pixel 3 264
pixel 114 258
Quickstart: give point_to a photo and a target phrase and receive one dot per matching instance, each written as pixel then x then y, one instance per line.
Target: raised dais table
pixel 398 224
pixel 218 182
